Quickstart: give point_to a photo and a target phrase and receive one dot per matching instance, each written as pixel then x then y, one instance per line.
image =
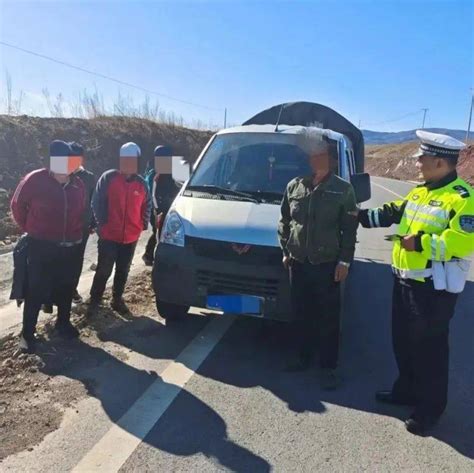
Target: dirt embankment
pixel 36 390
pixel 24 145
pixel 395 161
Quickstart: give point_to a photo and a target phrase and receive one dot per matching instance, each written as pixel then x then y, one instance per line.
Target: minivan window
pixel 254 163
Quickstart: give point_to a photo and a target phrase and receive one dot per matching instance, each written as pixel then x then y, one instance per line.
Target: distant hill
pixel 385 138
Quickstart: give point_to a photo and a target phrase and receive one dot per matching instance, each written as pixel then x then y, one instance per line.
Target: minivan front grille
pixel 222 283
pixel 257 255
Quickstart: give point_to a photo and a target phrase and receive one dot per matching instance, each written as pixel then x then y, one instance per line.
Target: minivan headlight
pixel 173 230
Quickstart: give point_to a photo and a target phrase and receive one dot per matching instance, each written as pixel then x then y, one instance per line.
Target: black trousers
pixel 51 273
pixel 80 262
pixel 151 244
pixel 110 254
pixel 316 302
pixel 420 331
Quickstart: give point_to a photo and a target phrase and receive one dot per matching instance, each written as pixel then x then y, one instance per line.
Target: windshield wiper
pixel 223 191
pixel 268 196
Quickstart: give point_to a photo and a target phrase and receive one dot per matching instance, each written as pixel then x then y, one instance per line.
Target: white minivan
pixel 219 247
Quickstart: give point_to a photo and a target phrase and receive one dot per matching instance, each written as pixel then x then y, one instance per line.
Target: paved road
pixel 210 395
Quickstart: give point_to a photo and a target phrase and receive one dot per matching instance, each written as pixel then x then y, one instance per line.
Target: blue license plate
pixel 236 304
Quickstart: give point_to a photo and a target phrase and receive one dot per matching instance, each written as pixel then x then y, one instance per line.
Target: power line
pixel 395 119
pixel 103 76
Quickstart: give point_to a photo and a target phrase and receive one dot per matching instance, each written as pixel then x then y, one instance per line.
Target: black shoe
pixel 147 260
pixel 301 363
pixel 93 307
pixel 420 426
pixel 388 398
pixel 66 330
pixel 47 308
pixel 27 344
pixel 330 379
pixel 76 297
pixel 118 304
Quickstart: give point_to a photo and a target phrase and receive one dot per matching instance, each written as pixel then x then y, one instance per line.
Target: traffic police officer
pixel 435 234
pixel 317 233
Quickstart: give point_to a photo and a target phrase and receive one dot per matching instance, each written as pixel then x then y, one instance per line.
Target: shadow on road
pixel 118 385
pixel 251 354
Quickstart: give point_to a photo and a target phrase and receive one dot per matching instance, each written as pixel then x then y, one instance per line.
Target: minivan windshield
pixel 257 165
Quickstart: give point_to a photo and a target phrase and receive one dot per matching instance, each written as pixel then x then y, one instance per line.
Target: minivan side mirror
pixel 361 184
pixel 180 169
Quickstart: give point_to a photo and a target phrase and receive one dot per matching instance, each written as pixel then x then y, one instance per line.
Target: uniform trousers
pixel 420 332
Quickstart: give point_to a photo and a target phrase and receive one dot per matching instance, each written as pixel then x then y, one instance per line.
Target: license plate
pixel 236 304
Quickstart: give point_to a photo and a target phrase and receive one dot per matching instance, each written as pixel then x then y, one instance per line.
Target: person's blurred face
pixel 128 166
pixel 320 163
pixel 432 168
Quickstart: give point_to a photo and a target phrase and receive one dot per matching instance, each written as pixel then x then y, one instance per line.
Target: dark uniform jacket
pixel 318 224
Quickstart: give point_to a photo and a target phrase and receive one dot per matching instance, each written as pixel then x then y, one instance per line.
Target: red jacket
pixel 121 206
pixel 48 210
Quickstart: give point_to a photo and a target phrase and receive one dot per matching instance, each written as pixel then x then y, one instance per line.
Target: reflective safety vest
pixel 441 214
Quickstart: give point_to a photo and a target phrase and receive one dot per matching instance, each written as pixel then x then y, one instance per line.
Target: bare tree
pixel 8 79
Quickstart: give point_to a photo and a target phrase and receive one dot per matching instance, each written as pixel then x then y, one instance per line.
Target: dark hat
pixel 162 150
pixel 60 148
pixel 77 149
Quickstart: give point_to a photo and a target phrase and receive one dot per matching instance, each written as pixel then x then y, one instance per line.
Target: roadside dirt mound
pixel 395 161
pixel 35 390
pixel 24 144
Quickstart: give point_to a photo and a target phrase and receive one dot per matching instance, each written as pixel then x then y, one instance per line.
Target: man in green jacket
pixel 317 233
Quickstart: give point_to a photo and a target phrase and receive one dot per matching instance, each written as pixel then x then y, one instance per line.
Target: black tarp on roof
pixel 313 114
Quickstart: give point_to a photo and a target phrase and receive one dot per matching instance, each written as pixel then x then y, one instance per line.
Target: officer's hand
pixel 286 262
pixel 408 243
pixel 341 273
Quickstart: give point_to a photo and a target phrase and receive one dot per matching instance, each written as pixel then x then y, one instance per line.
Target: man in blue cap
pixel 48 205
pixel 434 239
pixel 163 190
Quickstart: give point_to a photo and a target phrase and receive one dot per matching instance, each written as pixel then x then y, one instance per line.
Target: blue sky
pixel 373 61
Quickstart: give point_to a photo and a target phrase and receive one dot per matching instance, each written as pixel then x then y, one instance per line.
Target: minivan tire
pixel 170 311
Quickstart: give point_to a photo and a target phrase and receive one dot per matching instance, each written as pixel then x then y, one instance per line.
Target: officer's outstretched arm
pixel 385 216
pixel 284 224
pixel 457 241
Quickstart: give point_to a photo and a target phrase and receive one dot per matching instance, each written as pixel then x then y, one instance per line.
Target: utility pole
pixel 225 117
pixel 470 116
pixel 425 110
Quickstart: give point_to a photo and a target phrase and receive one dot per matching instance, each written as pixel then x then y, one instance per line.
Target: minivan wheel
pixel 170 311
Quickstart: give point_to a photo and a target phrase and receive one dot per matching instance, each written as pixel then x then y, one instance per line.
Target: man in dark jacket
pixel 121 204
pixel 163 190
pixel 48 205
pixel 317 233
pixel 88 179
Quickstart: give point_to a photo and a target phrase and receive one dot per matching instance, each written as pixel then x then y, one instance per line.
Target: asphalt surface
pixel 221 401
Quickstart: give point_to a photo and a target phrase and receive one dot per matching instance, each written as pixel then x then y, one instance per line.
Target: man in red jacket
pixel 122 205
pixel 48 205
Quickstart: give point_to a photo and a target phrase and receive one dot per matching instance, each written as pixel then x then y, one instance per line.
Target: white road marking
pixel 387 189
pixel 115 447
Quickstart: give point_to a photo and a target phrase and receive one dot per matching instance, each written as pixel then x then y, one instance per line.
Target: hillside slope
pixel 24 146
pixel 395 161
